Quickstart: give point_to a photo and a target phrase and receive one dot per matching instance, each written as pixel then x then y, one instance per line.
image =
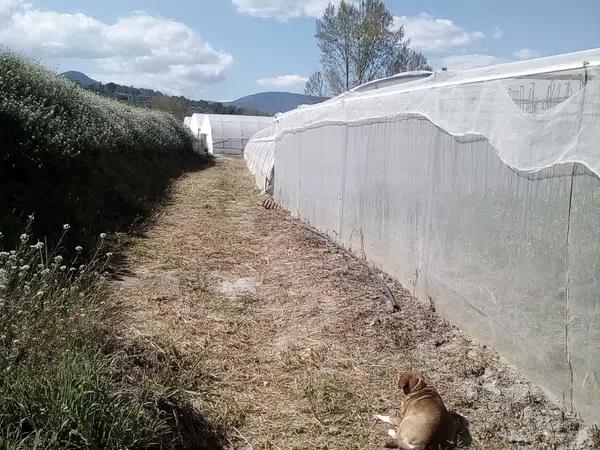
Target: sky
pixel 225 49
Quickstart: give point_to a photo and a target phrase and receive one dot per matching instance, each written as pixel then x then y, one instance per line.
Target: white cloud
pixel 140 50
pixel 466 62
pixel 282 9
pixel 428 33
pixel 7 7
pixel 527 53
pixel 283 81
pixel 498 33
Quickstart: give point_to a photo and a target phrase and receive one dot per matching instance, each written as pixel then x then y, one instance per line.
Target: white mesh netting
pixel 470 189
pixel 535 113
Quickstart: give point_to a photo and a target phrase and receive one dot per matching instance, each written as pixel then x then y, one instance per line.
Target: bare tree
pixel 316 85
pixel 376 41
pixel 335 35
pixel 359 43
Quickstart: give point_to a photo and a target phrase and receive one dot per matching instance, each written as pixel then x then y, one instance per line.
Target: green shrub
pixel 45 116
pixel 67 154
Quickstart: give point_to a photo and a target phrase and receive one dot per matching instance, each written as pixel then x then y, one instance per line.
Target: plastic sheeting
pixel 260 158
pixel 222 133
pixel 535 113
pixel 480 192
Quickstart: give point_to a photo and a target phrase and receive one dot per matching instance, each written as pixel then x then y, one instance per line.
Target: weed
pixel 70 405
pixel 56 389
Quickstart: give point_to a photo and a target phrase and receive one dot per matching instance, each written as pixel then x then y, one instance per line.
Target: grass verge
pixel 69 378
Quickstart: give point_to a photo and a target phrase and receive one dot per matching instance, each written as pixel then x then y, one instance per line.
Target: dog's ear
pixel 411 382
pixel 419 383
pixel 404 382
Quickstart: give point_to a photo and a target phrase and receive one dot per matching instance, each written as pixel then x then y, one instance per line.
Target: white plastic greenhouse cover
pixel 260 158
pixel 223 133
pixel 478 190
pixel 535 113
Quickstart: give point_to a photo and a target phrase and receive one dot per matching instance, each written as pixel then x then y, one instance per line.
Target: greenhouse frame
pixel 478 190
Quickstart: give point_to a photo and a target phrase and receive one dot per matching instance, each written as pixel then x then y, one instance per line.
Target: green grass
pixel 70 378
pixel 56 389
pixel 70 405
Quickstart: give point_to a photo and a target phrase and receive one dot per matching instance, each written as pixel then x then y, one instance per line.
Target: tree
pixel 316 85
pixel 170 105
pixel 377 41
pixel 406 61
pixel 335 37
pixel 360 43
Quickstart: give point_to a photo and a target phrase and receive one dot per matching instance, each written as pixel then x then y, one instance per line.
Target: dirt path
pixel 296 346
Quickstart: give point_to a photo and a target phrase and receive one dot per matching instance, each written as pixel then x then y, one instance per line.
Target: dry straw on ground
pixel 294 345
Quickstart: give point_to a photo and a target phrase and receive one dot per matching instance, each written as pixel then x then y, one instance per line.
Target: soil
pixel 297 347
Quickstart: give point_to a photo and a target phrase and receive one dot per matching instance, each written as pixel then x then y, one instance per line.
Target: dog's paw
pixel 385 419
pixel 392 433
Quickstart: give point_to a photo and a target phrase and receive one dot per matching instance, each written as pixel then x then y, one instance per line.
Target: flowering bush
pixel 71 154
pixel 45 298
pixel 51 116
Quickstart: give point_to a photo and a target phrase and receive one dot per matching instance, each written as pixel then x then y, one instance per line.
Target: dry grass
pixel 301 349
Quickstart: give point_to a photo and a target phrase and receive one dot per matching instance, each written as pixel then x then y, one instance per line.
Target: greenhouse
pixel 478 190
pixel 221 133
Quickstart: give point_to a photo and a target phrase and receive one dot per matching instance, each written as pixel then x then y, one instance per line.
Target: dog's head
pixel 411 382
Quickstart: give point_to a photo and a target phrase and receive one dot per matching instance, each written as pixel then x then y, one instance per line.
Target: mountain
pixel 176 105
pixel 79 77
pixel 274 102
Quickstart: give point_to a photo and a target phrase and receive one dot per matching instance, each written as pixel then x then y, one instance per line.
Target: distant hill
pixel 79 77
pixel 178 106
pixel 274 102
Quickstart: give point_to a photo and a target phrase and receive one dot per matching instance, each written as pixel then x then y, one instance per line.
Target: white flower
pixel 109 255
pixel 58 259
pixel 1 235
pixel 102 235
pixel 82 267
pixel 78 248
pixel 63 267
pixel 66 227
pixel 24 237
pixel 38 246
pixel 25 267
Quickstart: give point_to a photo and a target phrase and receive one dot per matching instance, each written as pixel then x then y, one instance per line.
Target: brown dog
pixel 424 422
